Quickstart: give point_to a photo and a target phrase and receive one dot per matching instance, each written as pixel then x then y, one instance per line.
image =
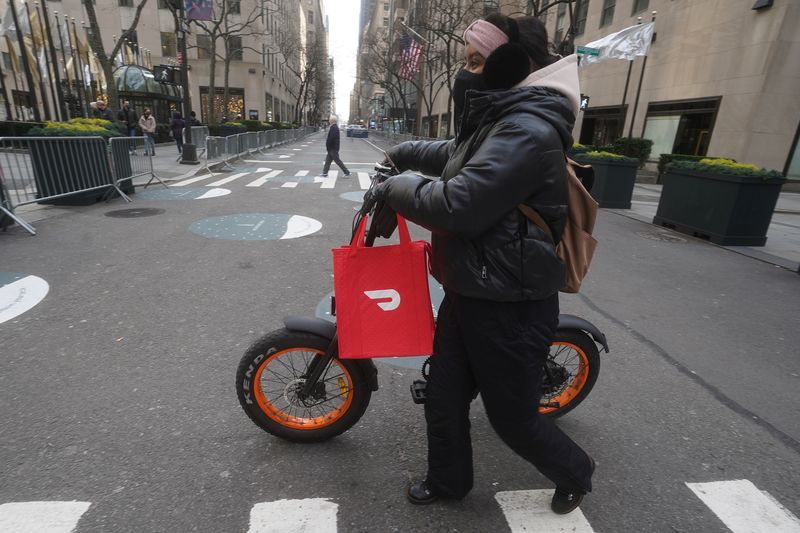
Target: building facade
pixel 720 78
pixel 252 44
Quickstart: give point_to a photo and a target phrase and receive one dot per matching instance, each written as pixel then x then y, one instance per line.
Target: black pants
pixel 333 155
pixel 500 348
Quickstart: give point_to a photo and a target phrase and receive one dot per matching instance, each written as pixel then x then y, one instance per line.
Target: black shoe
pixel 324 175
pixel 420 494
pixel 565 501
pixel 347 175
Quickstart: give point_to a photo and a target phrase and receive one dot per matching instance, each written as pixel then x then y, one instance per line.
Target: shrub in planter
pixel 726 202
pixel 666 159
pixel 578 148
pixel 12 128
pixel 614 178
pixel 79 127
pixel 635 147
pixel 223 130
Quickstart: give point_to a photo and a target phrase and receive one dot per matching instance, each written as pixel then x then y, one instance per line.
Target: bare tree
pixel 106 60
pixel 230 32
pixel 304 60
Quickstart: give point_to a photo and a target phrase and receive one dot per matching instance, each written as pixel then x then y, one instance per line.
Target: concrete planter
pixel 613 182
pixel 724 209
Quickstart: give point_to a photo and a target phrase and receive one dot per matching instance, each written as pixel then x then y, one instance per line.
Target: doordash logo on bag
pixel 385 294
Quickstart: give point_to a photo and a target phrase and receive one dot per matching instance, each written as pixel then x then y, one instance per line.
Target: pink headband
pixel 485 37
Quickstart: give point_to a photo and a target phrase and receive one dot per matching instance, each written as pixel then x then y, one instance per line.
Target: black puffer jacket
pixel 510 150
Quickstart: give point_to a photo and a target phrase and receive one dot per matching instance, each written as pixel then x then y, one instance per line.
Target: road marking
pixel 312 515
pixel 529 511
pixel 20 296
pixel 300 226
pixel 290 184
pixel 263 179
pixel 213 193
pixel 296 149
pixel 229 179
pixel 302 173
pixel 283 156
pixel 363 180
pixel 41 517
pixel 745 509
pixel 330 181
pixel 190 181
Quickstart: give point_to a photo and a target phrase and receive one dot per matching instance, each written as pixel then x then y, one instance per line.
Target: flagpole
pixel 26 65
pixel 67 113
pixel 74 66
pixel 82 84
pixel 56 74
pixel 639 89
pixel 47 56
pixel 42 90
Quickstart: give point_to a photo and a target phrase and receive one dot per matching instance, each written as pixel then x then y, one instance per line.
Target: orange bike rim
pixel 576 384
pixel 287 420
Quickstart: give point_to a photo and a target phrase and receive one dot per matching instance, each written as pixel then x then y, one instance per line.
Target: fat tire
pixel 283 339
pixel 589 348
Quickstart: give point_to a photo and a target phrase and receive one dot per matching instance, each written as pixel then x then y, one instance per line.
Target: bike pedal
pixel 418 391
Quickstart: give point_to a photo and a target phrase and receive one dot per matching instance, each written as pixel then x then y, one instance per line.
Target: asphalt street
pixel 117 388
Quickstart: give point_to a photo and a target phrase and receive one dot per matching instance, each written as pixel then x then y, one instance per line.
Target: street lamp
pixel 189 152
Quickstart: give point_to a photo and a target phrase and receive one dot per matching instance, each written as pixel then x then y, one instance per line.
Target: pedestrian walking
pixel 193 119
pixel 176 126
pixel 332 146
pixel 500 272
pixel 102 111
pixel 128 116
pixel 147 123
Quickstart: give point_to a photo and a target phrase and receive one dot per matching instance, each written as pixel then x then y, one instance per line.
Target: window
pixel 234 7
pixel 235 48
pixel 203 46
pixel 386 7
pixel 581 8
pixel 682 127
pixel 168 45
pixel 608 12
pixel 125 3
pixel 639 6
pixel 8 63
pixel 561 17
pixel 311 17
pixel 385 21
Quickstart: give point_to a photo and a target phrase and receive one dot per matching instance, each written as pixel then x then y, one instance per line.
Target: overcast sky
pixel 343 34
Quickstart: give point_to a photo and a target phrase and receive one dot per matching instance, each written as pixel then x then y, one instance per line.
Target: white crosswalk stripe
pixel 313 515
pixel 263 179
pixel 745 509
pixel 330 181
pixel 41 517
pixel 229 179
pixel 529 511
pixel 363 180
pixel 738 504
pixel 190 181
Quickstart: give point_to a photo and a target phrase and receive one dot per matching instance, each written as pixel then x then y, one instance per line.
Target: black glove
pixel 384 221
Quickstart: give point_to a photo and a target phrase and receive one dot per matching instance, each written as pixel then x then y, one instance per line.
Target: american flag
pixel 410 55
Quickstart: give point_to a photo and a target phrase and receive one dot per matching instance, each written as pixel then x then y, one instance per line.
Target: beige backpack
pixel 577 244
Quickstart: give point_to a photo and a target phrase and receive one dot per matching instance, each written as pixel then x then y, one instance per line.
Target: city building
pixel 720 78
pixel 262 51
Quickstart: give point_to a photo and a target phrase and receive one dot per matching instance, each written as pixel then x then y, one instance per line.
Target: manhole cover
pixel 660 236
pixel 135 213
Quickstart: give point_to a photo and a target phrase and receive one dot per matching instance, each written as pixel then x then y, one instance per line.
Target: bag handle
pixel 402 228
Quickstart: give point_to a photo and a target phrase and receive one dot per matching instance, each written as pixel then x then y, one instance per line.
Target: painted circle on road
pixel 353 196
pixel 20 293
pixel 256 227
pixel 199 193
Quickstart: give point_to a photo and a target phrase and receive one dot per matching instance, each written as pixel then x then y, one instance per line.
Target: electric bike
pixel 292 384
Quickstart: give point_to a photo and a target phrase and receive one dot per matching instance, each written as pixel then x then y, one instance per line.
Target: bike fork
pixel 318 366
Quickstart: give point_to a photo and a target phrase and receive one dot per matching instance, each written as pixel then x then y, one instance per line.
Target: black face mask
pixel 465 81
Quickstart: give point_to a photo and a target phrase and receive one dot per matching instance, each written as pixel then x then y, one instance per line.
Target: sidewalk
pixel 783 237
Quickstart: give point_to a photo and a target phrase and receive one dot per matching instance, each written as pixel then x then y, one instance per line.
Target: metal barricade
pixel 214 151
pixel 199 136
pixel 132 157
pixel 47 169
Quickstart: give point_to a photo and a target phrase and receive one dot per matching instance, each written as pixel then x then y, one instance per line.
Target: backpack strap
pixel 537 219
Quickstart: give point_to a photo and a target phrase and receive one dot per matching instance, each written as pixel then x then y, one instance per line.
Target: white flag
pixel 624 44
pixel 43 68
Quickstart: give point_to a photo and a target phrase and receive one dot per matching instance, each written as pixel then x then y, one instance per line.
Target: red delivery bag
pixel 383 306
